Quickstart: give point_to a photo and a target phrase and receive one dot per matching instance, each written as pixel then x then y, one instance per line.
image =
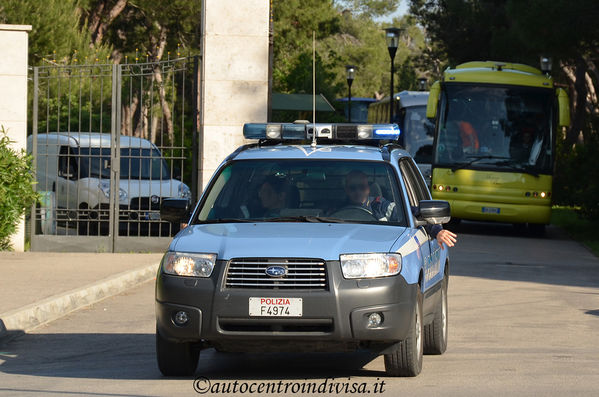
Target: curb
pixel 31 316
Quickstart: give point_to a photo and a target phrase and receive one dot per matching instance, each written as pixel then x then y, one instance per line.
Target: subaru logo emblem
pixel 155 199
pixel 276 271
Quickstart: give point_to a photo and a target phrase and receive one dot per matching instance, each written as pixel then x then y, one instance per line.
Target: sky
pixel 401 10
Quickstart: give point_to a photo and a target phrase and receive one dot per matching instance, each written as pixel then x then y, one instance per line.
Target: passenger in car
pixel 273 196
pixel 357 190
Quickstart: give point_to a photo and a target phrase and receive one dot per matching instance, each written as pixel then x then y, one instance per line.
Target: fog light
pixel 181 318
pixel 375 320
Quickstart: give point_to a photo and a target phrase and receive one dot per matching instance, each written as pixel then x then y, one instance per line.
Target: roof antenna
pixel 313 88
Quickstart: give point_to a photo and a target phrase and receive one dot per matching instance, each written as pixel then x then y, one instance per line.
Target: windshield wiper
pixel 304 218
pixel 227 220
pixel 476 158
pixel 525 168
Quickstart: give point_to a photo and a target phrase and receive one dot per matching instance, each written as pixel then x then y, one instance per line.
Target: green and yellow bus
pixel 494 145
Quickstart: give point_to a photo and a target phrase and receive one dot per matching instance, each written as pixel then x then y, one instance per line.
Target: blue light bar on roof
pixel 274 131
pixel 304 131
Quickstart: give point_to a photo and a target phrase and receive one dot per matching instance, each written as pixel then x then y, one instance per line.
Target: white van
pixel 75 168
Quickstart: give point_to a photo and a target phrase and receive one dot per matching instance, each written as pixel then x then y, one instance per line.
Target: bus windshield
pixel 496 128
pixel 418 134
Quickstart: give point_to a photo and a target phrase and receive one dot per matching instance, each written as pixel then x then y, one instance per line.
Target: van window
pixel 67 163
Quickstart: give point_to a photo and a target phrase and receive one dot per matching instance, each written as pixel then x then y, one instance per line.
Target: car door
pixel 415 195
pixel 66 182
pixel 433 272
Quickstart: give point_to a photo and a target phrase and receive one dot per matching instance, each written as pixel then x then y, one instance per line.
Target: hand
pixel 447 237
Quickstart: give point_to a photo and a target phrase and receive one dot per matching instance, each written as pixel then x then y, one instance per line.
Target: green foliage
pixel 576 180
pixel 580 229
pixel 138 30
pixel 16 188
pixel 346 34
pixel 56 35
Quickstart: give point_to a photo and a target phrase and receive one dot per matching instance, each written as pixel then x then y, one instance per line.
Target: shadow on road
pixel 132 356
pixel 503 252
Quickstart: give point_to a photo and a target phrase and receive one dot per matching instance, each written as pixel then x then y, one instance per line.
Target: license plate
pixel 491 210
pixel 153 216
pixel 276 307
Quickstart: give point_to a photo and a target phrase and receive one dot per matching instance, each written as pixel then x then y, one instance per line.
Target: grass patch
pixel 579 229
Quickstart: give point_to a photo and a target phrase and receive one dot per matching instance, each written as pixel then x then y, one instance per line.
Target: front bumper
pixel 219 316
pixel 512 213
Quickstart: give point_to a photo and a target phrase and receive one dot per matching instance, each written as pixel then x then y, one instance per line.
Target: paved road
pixel 524 320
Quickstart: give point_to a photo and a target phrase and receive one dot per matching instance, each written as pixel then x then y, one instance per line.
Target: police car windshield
pixel 304 191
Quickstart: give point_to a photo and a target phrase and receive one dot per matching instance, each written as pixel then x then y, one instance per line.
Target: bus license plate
pixel 491 210
pixel 276 307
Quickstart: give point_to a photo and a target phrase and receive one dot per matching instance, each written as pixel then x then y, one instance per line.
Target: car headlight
pixel 370 265
pixel 184 192
pixel 104 186
pixel 185 264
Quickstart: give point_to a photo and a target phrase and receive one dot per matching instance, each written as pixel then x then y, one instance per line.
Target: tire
pixel 536 229
pixel 435 333
pixel 176 359
pixel 407 359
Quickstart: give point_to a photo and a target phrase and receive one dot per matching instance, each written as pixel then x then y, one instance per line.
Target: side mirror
pixel 434 212
pixel 563 104
pixel 433 100
pixel 174 210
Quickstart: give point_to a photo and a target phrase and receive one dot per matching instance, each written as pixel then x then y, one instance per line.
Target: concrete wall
pixel 234 87
pixel 13 94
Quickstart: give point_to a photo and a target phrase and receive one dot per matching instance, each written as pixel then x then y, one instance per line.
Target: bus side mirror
pixel 433 100
pixel 563 104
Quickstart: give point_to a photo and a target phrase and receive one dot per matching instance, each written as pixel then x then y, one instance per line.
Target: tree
pixel 346 33
pixel 16 188
pixel 57 36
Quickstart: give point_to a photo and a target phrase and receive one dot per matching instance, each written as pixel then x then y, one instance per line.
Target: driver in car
pixel 357 190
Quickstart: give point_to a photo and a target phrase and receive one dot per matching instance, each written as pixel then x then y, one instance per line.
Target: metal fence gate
pixel 109 143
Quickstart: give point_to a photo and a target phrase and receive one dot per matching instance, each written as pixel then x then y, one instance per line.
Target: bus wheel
pixel 536 229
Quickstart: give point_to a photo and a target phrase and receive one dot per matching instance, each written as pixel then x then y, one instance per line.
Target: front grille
pixel 145 203
pixel 300 274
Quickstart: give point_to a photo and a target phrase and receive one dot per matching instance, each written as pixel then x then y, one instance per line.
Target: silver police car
pixel 317 237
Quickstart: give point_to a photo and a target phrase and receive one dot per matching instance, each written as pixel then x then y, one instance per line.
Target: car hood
pixel 292 240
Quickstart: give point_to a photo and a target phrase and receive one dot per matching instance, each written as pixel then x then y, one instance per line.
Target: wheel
pixel 407 359
pixel 519 228
pixel 536 229
pixel 176 359
pixel 435 333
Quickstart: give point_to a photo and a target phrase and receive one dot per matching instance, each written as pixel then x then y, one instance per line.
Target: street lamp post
pixel 351 71
pixel 422 83
pixel 546 63
pixel 392 38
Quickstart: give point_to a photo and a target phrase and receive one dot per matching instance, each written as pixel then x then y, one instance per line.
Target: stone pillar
pixel 234 85
pixel 13 95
